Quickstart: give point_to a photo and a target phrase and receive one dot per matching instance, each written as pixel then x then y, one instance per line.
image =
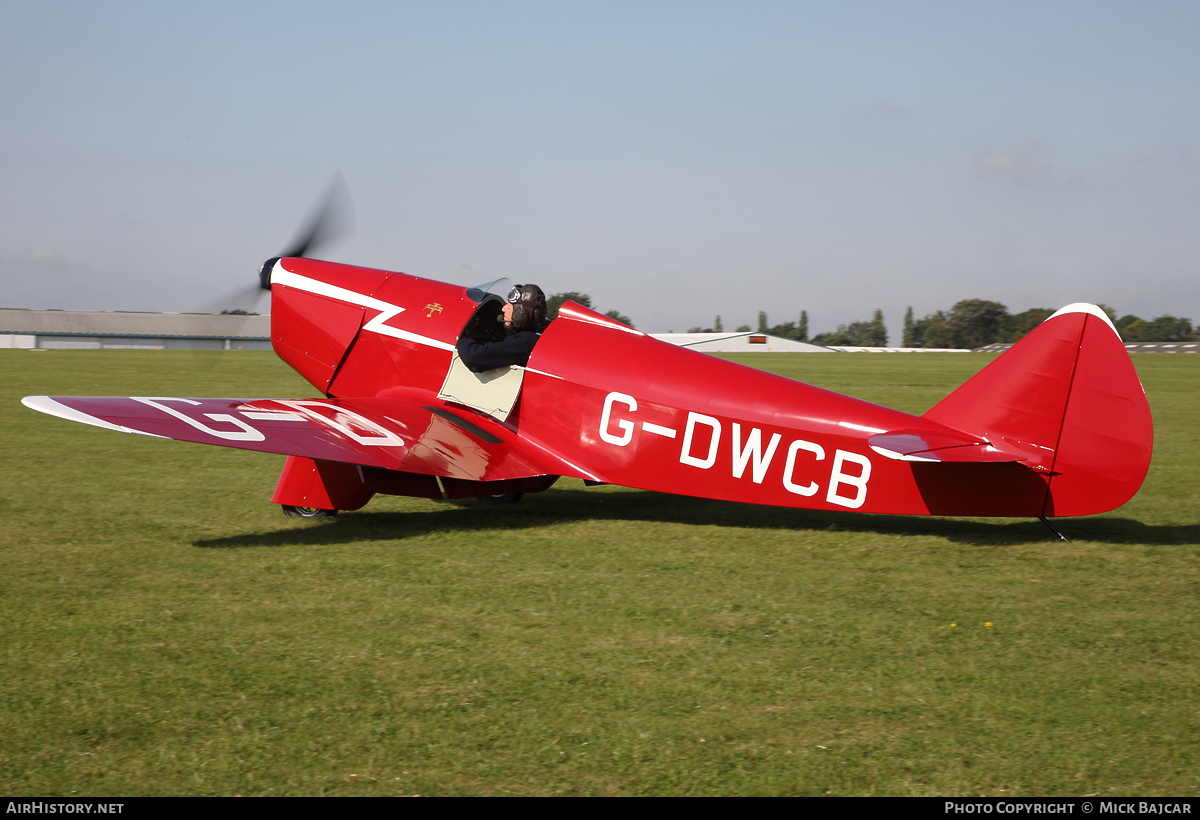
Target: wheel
pixel 309 513
pixel 502 498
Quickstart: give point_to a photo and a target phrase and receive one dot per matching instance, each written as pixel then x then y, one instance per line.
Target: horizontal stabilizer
pixel 936 445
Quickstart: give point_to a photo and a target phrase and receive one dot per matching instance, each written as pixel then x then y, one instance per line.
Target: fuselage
pixel 614 405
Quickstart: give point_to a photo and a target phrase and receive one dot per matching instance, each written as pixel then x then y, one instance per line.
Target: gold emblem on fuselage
pixel 431 307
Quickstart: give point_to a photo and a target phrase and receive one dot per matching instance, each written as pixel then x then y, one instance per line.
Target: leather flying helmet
pixel 529 307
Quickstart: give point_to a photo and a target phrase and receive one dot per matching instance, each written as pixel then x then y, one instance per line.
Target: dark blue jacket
pixel 481 356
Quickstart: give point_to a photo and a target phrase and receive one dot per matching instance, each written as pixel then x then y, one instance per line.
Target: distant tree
pixel 879 329
pixel 1171 329
pixel 717 325
pixel 743 329
pixel 554 302
pixel 856 334
pixel 971 323
pixel 1162 329
pixel 939 332
pixel 930 329
pixel 802 328
pixel 762 321
pixel 1125 324
pixel 974 323
pixel 787 330
pixel 625 320
pixel 1017 325
pixel 845 335
pixel 238 312
pixel 977 322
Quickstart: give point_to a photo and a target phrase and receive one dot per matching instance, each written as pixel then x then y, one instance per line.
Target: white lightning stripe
pixel 657 430
pixel 47 405
pixel 544 373
pixel 386 310
pixel 860 427
pixel 269 416
pixel 377 325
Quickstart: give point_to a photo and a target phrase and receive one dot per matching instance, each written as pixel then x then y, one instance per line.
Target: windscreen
pixel 497 287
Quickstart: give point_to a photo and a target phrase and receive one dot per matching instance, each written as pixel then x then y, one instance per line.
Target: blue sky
pixel 674 160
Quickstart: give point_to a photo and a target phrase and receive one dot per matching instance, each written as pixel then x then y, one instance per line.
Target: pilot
pixel 523 316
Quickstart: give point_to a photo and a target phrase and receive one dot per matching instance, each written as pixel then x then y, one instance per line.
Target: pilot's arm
pixel 481 356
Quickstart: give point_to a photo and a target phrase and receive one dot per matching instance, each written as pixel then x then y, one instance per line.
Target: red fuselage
pixel 607 403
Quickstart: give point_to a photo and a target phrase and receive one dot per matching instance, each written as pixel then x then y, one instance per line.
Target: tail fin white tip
pixel 1084 307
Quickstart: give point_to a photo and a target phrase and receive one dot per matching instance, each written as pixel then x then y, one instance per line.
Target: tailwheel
pixel 308 513
pixel 502 498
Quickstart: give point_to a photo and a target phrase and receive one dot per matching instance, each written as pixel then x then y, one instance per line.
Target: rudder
pixel 1067 398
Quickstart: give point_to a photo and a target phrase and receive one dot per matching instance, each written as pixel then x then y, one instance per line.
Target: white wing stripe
pixel 269 416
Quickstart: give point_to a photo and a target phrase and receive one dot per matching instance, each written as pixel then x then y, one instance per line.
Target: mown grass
pixel 166 631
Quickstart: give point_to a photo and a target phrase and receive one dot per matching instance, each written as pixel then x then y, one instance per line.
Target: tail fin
pixel 1068 399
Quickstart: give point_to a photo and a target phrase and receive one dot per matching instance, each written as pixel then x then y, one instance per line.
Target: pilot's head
pixel 525 308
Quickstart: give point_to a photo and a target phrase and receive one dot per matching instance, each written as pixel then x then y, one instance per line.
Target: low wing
pixel 391 433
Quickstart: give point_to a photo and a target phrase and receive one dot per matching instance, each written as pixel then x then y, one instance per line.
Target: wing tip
pixel 52 407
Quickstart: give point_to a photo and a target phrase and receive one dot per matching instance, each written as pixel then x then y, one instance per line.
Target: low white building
pixel 96 329
pixel 740 343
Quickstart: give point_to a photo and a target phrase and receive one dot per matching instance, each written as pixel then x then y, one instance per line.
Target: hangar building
pixel 95 329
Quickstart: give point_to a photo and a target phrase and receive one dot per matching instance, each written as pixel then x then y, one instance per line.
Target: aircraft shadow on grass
pixel 567 506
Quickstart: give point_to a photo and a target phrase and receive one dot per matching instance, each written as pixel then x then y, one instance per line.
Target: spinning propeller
pixel 331 219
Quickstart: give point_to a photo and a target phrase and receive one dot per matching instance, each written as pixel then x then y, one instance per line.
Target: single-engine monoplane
pixel 1056 426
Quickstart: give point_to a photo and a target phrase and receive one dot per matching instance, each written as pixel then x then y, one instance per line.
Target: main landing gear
pixel 502 498
pixel 308 513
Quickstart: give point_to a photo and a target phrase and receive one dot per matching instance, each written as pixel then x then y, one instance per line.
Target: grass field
pixel 166 631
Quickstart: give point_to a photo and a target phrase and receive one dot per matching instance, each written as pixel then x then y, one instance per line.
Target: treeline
pixel 974 323
pixel 970 324
pixel 856 334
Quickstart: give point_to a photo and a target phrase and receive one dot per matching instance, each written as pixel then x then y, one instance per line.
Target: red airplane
pixel 1056 426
